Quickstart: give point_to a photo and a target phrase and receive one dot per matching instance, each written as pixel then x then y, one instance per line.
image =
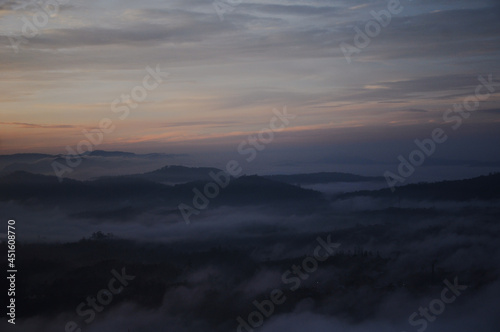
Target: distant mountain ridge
pixel 125 194
pixel 94 164
pixel 174 174
pixel 484 187
pixel 323 177
pixel 121 198
pixel 181 174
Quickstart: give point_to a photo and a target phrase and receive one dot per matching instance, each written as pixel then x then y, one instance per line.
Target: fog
pixel 396 255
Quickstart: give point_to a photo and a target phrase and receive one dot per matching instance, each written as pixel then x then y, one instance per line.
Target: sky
pixel 230 63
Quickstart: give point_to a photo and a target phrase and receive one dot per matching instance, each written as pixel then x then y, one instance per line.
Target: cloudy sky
pixel 231 63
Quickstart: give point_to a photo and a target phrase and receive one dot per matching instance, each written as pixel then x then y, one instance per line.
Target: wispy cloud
pixel 34 125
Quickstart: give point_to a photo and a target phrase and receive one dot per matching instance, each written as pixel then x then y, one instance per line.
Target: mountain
pixel 22 158
pixel 479 188
pixel 102 153
pixel 323 177
pixel 182 174
pixel 93 164
pixel 176 174
pixel 123 197
pixel 253 189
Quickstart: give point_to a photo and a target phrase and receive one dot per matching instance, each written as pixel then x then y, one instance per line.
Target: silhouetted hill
pixel 323 177
pixel 480 188
pixel 106 154
pixel 182 174
pixel 23 186
pixel 101 153
pixel 94 164
pixel 258 190
pixel 177 174
pixel 40 166
pixel 20 160
pixel 125 197
pixel 24 156
pixel 26 178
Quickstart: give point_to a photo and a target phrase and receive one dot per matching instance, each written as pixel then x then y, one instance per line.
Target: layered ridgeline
pixel 160 192
pixel 480 188
pixel 90 164
pixel 124 197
